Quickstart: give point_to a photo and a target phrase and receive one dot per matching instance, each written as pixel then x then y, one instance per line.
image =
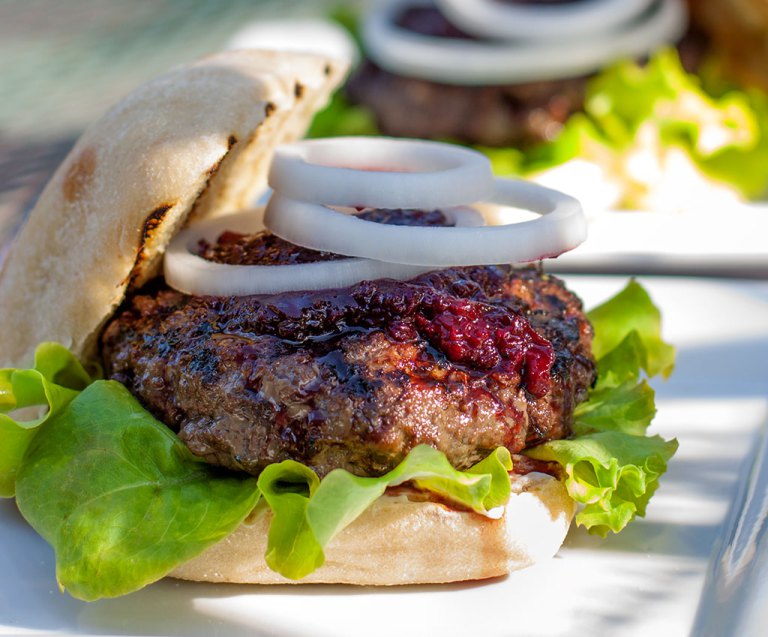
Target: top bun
pixel 196 142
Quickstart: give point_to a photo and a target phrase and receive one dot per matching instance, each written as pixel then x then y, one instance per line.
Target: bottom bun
pixel 400 541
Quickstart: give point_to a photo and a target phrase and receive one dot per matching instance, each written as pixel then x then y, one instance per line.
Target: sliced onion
pixel 464 216
pixel 381 173
pixel 561 227
pixel 492 19
pixel 191 274
pixel 468 62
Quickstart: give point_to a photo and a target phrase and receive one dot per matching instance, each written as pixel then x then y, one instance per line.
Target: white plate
pixel 733 242
pixel 645 581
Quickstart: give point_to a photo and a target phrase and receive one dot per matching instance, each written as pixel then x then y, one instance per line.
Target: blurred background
pixel 63 64
pixel 700 143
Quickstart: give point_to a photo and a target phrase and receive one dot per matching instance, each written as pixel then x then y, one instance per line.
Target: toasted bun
pixel 399 541
pixel 196 141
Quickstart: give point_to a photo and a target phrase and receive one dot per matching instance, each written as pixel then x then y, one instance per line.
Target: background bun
pixel 739 32
pixel 196 141
pixel 399 541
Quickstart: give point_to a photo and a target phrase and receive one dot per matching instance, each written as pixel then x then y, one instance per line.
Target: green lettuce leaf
pixel 481 488
pixel 310 513
pixel 629 408
pixel 611 466
pixel 56 378
pixel 293 549
pixel 119 497
pixel 611 473
pixel 631 310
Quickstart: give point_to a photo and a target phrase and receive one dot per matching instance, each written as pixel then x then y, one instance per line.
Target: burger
pixel 225 416
pixel 628 105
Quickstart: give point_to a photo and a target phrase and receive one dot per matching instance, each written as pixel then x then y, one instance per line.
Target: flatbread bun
pixel 400 541
pixel 194 142
pixel 197 142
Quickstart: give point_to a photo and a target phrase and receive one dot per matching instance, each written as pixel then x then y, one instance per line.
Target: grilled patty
pixel 463 359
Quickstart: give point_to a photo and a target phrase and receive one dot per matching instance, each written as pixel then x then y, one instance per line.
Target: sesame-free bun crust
pixel 401 541
pixel 194 142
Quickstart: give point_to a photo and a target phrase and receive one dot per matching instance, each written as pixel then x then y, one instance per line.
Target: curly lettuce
pixel 309 513
pixel 123 502
pixel 612 467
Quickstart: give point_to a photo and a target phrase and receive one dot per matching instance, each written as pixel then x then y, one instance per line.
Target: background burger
pixel 332 435
pixel 508 74
pixel 652 106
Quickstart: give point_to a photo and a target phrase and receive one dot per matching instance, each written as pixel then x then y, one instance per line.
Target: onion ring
pixel 191 274
pixel 561 227
pixel 468 62
pixel 490 19
pixel 369 172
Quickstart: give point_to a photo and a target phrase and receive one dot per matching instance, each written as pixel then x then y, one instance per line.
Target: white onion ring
pixel 381 173
pixel 490 19
pixel 464 217
pixel 561 227
pixel 191 274
pixel 468 62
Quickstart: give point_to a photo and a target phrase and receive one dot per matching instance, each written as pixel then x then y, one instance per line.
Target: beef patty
pixel 463 359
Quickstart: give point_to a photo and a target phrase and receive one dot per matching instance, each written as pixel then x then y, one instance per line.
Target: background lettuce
pixel 648 124
pixel 644 126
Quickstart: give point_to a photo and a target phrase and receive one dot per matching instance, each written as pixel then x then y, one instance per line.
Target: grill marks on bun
pixel 79 176
pixel 151 224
